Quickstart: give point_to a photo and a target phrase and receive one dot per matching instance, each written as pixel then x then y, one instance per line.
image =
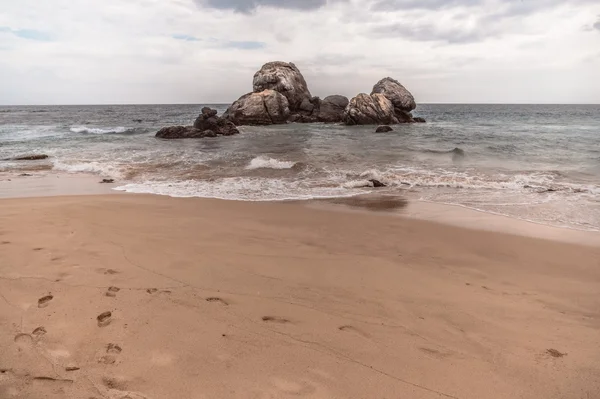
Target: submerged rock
pixel 384 129
pixel 265 108
pixel 418 119
pixel 35 157
pixel 377 183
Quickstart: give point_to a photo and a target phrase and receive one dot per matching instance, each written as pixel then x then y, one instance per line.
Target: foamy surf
pixel 95 130
pixel 263 162
pixel 240 188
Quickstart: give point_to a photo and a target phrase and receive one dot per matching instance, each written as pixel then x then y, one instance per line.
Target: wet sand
pixel 134 296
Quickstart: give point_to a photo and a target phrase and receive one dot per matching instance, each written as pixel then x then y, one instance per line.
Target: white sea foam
pixel 263 162
pixel 239 188
pixel 95 130
pixel 93 167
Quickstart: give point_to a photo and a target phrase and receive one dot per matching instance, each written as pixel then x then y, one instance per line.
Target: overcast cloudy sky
pixel 195 51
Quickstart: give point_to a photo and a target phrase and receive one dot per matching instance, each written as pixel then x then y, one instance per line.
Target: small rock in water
pixel 35 157
pixel 25 175
pixel 384 129
pixel 107 181
pixel 418 119
pixel 377 183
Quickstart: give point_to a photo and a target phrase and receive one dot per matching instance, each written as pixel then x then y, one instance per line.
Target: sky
pixel 207 51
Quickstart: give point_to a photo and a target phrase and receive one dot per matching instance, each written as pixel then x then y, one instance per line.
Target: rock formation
pixel 367 109
pixel 263 108
pixel 208 124
pixel 284 78
pixel 280 95
pixel 389 103
pixel 281 79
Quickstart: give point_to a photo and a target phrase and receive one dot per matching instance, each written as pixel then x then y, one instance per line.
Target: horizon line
pixel 228 103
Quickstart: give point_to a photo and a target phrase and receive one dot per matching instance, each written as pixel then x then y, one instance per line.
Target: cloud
pixel 245 45
pixel 29 34
pixel 200 51
pixel 246 6
pixel 597 24
pixel 186 38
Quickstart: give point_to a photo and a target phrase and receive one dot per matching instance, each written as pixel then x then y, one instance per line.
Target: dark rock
pixel 377 183
pixel 401 99
pixel 25 175
pixel 35 157
pixel 208 124
pixel 370 110
pixel 180 132
pixel 389 103
pixel 458 154
pixel 105 181
pixel 418 119
pixel 211 125
pixel 332 108
pixel 300 118
pixel 284 78
pixel 384 129
pixel 265 108
pixel 137 120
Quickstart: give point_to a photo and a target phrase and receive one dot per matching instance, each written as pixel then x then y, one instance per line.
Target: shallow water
pixel 534 162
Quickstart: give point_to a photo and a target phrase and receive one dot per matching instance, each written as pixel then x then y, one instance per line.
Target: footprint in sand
pixel 38 332
pixel 275 319
pixel 354 330
pixel 152 291
pixel 37 249
pixel 112 350
pixel 107 271
pixel 217 300
pixel 24 341
pixel 44 301
pixel 104 319
pixel 5 242
pixel 112 291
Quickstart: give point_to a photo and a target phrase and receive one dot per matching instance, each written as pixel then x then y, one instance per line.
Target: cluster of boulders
pixel 208 124
pixel 280 95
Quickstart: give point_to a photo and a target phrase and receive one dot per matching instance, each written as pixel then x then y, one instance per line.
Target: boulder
pixel 284 78
pixel 265 108
pixel 209 121
pixel 208 124
pixel 401 98
pixel 182 132
pixel 384 129
pixel 367 109
pixel 332 108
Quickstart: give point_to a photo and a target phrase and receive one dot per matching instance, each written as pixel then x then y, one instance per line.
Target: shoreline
pixel 60 184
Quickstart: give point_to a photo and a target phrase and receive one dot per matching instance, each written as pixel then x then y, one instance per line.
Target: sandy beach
pixel 135 296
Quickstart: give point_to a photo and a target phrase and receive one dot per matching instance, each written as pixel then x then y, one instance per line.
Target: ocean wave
pixel 95 130
pixel 263 162
pixel 240 188
pixel 539 182
pixel 93 167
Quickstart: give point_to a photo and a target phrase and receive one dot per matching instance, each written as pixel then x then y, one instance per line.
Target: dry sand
pixel 216 299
